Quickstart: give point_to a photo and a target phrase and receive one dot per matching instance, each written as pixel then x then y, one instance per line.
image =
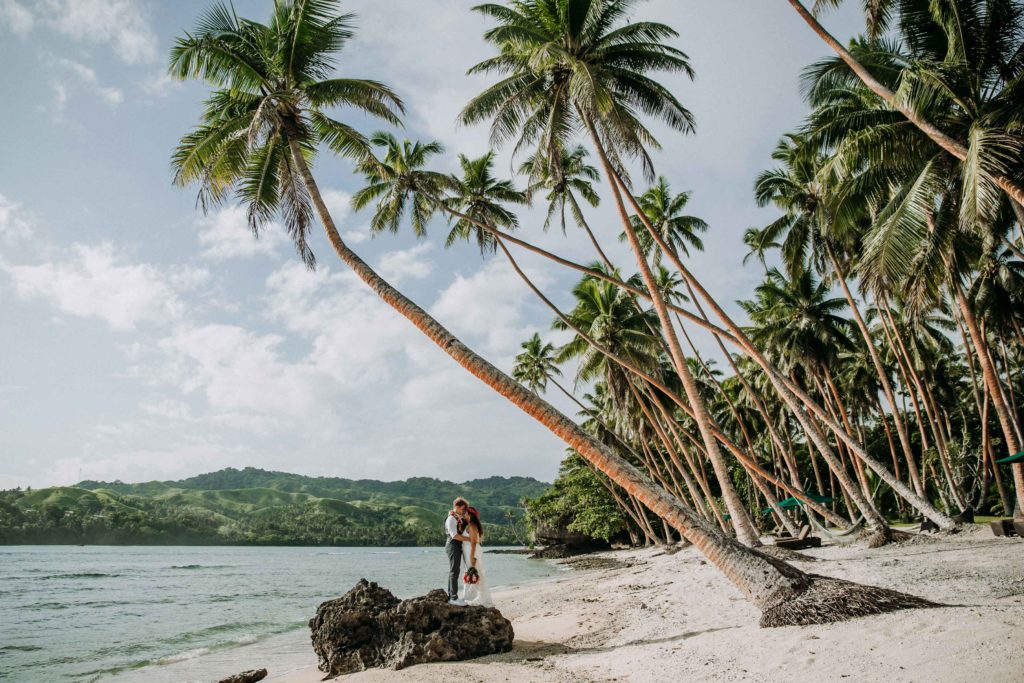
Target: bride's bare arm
pixel 474 538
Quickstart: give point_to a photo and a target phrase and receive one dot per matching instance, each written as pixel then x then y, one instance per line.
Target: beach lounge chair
pixel 799 542
pixel 1003 527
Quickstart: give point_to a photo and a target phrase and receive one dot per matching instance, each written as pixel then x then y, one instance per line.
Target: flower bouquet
pixel 471 576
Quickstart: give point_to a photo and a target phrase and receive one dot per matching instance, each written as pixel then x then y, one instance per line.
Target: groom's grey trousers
pixel 454 550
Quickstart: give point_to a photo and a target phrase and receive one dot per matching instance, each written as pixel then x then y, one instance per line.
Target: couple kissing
pixel 464 535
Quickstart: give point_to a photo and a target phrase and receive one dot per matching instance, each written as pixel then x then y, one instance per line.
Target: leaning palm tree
pixel 535 366
pixel 397 192
pixel 956 64
pixel 664 211
pixel 272 80
pixel 806 231
pixel 936 78
pixel 566 178
pixel 482 198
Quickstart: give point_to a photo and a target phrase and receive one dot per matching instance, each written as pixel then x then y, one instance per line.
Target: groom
pixel 454 525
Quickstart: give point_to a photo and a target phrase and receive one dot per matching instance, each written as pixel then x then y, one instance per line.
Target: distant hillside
pixel 257 507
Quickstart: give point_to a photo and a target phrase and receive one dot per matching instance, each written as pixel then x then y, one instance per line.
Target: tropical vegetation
pixel 256 507
pixel 876 376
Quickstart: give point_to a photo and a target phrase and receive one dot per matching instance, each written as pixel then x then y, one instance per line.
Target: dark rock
pixel 369 627
pixel 559 535
pixel 246 677
pixel 509 551
pixel 561 551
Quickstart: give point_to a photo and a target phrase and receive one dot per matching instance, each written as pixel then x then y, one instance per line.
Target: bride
pixel 478 593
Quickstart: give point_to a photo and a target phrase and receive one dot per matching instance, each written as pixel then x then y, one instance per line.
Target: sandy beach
pixel 647 615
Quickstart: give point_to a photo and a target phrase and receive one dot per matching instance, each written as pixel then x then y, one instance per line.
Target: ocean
pixel 155 614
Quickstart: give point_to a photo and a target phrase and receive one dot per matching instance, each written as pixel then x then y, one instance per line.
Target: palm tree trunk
pixel 995 392
pixel 947 143
pixel 590 234
pixel 1004 357
pixel 1004 496
pixel 651 381
pixel 745 531
pixel 674 455
pixel 793 396
pixel 883 376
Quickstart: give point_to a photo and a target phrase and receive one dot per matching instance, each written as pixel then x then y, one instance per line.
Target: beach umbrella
pixel 1016 457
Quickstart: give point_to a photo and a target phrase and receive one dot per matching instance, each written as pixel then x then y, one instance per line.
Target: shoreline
pixel 647 615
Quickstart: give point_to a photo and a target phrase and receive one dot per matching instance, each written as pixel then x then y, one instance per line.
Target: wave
pixel 191 653
pixel 200 566
pixel 4 649
pixel 77 575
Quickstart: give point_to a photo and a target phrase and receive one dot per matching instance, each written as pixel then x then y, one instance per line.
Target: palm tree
pixel 795 320
pixel 562 178
pixel 536 365
pixel 579 66
pixel 799 187
pixel 933 212
pixel 479 196
pixel 665 212
pixel 396 190
pixel 999 20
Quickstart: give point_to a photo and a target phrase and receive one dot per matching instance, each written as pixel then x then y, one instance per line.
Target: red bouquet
pixel 471 576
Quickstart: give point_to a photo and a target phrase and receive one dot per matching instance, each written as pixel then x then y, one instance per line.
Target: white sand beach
pixel 645 615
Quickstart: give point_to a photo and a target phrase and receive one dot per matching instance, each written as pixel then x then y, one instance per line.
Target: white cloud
pixel 490 306
pixel 97 283
pixel 16 17
pixel 60 97
pixel 339 203
pixel 146 464
pixel 406 264
pixel 358 235
pixel 169 409
pixel 111 96
pixel 225 234
pixel 239 370
pixel 120 23
pixel 85 78
pixel 159 84
pixel 15 224
pixel 356 339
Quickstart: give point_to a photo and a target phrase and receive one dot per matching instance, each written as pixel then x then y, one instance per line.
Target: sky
pixel 141 339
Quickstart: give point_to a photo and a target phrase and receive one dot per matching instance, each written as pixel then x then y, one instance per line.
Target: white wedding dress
pixel 478 593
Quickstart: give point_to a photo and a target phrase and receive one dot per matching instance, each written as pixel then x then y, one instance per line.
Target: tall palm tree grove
pixel 571 67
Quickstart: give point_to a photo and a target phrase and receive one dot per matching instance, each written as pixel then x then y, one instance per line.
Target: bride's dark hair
pixel 474 520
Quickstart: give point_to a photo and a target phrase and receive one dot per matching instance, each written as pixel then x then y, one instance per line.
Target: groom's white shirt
pixel 451 526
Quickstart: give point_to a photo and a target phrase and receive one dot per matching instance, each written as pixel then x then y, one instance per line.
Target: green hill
pixel 257 507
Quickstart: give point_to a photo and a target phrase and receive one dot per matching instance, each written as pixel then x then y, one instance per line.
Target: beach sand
pixel 645 615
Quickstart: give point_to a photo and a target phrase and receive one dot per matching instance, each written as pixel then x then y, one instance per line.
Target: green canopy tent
pixel 793 502
pixel 1016 457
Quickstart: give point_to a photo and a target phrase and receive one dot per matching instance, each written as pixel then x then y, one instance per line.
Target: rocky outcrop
pixel 369 627
pixel 246 677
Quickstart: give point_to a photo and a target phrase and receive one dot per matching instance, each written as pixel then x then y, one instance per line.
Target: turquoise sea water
pixel 107 613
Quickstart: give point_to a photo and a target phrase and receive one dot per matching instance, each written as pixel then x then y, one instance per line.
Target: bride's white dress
pixel 478 593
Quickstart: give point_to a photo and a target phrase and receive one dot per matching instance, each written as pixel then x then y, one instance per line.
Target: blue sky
pixel 142 340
